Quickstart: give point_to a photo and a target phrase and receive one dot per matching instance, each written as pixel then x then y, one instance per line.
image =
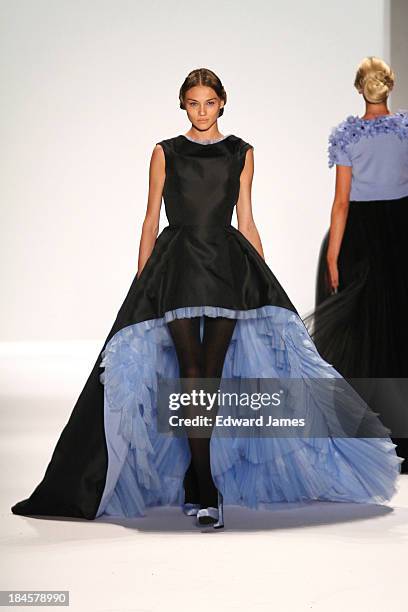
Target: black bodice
pixel 202 180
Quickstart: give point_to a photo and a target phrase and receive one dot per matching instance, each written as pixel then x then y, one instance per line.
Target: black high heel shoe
pixel 212 516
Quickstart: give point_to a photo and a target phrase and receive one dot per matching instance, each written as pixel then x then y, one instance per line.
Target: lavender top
pixel 377 151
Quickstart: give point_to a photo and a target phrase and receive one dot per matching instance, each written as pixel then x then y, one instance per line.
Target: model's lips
pixel 201 120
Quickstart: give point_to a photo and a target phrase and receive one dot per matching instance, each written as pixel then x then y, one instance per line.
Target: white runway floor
pixel 324 557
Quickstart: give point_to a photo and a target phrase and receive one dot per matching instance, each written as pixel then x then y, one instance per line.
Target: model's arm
pixel 151 222
pixel 338 220
pixel 246 223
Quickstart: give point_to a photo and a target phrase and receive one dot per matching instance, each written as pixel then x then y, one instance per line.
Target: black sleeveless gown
pixel 110 460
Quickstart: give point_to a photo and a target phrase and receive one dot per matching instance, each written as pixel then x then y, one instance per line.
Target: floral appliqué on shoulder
pixel 353 128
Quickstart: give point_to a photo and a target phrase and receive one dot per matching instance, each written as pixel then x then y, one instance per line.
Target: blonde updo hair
pixel 374 79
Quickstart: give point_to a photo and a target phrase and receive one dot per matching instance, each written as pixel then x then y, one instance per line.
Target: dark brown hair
pixel 206 77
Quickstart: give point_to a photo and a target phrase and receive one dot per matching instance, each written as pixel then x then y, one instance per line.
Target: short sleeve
pixel 163 145
pixel 243 148
pixel 339 149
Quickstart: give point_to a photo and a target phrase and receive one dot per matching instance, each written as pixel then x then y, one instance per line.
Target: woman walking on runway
pixel 204 303
pixel 360 320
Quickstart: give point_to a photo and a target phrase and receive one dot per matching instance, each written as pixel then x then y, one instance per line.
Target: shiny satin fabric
pixel 198 259
pixel 202 181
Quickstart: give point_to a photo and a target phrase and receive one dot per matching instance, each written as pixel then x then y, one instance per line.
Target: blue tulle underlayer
pixel 146 468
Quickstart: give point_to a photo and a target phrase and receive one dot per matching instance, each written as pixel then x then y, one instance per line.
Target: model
pixel 359 324
pixel 204 304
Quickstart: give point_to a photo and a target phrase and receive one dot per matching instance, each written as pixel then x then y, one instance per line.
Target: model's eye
pixel 211 102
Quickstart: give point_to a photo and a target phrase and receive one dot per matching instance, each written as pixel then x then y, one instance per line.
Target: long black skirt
pixel 363 328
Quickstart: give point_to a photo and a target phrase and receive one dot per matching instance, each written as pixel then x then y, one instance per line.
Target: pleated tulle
pixel 146 468
pixel 362 329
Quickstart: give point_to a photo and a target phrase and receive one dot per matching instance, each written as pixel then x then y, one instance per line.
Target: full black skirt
pixel 363 328
pixel 110 458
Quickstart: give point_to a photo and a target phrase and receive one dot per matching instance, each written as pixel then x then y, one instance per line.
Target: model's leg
pixel 217 336
pixel 186 337
pixel 218 332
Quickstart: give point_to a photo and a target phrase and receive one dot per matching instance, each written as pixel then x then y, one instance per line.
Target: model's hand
pixel 333 274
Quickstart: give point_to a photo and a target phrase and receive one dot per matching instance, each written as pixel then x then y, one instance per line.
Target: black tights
pixel 201 360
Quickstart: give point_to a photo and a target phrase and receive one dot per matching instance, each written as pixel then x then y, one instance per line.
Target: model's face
pixel 202 106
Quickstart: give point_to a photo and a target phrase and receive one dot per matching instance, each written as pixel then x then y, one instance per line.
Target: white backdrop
pixel 90 86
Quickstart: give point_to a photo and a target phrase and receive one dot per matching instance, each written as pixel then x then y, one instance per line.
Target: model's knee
pixel 191 371
pixel 212 370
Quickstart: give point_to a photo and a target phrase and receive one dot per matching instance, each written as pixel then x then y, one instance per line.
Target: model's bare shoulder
pixel 158 162
pixel 158 149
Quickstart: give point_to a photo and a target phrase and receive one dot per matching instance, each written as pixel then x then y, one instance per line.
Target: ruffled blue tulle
pixel 146 468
